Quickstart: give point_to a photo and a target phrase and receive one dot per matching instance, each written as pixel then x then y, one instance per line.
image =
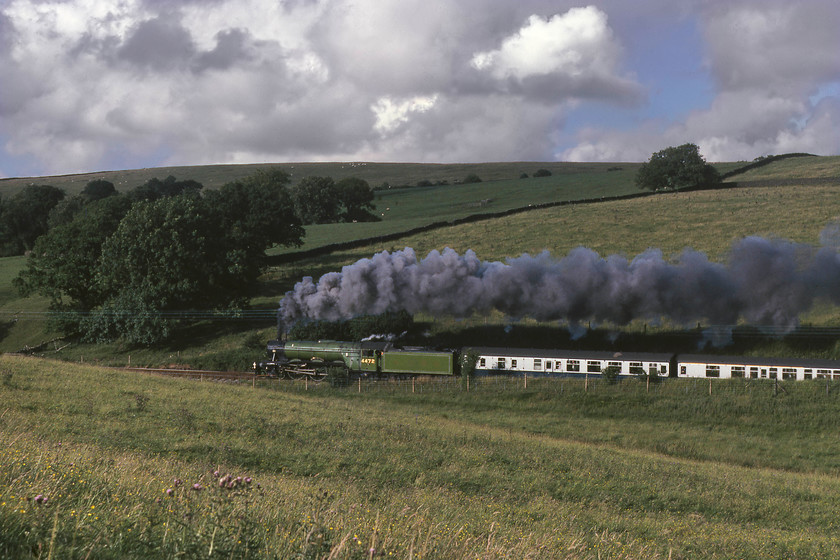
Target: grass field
pixel 551 471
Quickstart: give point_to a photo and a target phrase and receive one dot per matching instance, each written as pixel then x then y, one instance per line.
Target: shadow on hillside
pixel 5 327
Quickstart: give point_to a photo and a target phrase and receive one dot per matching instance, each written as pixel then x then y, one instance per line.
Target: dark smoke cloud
pixel 765 282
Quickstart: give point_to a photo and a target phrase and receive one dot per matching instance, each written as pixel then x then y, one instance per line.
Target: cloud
pixel 777 78
pixel 92 84
pixel 573 54
pixel 160 43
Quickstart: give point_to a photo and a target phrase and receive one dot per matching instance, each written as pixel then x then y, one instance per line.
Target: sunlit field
pixel 107 464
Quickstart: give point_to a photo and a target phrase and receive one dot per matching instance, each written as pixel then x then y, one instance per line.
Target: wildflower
pixel 39 499
pixel 177 482
pixel 247 480
pixel 196 486
pixel 217 474
pixel 169 491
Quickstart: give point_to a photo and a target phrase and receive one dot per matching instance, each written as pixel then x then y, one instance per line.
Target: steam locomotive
pixel 317 359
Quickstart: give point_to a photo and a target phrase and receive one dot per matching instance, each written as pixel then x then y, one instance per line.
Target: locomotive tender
pixel 314 359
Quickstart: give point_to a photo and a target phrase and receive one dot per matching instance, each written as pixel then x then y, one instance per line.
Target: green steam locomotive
pixel 316 359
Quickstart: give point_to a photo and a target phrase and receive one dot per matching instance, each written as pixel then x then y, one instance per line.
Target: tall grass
pixel 498 472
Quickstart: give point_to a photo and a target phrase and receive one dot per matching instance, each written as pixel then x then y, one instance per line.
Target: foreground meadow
pixel 99 463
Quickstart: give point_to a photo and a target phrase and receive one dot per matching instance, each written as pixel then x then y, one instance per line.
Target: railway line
pixel 199 374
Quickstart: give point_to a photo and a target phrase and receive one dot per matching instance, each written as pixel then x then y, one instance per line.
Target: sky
pixel 89 85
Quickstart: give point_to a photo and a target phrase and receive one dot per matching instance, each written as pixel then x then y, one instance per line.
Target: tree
pixel 154 189
pixel 98 189
pixel 356 196
pixel 25 217
pixel 676 168
pixel 164 258
pixel 63 263
pixel 471 178
pixel 316 201
pixel 255 213
pixel 542 173
pixel 66 210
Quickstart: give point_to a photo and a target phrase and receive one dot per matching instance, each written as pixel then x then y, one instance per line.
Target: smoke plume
pixel 764 282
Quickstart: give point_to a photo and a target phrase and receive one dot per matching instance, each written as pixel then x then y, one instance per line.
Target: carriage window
pixel 537 364
pixel 513 364
pixel 637 368
pixel 808 374
pixel 712 371
pixel 753 373
pixel 593 366
pixel 501 364
pixel 682 370
pixel 738 371
pixel 788 373
pixel 573 365
pixel 823 373
pixel 558 365
pixel 482 362
pixel 774 373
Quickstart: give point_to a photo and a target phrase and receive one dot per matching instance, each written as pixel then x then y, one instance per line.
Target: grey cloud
pixel 785 46
pixel 232 47
pixel 160 44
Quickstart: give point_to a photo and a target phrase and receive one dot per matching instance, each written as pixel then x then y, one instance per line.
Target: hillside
pixel 395 174
pixel 704 220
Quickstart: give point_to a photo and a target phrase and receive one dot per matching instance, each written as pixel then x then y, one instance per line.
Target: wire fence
pixel 563 386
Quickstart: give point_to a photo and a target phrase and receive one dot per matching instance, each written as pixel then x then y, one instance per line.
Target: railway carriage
pixel 727 367
pixel 539 362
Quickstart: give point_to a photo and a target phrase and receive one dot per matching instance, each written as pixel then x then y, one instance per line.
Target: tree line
pixel 126 265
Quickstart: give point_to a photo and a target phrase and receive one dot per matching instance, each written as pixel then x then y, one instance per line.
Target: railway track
pixel 199 374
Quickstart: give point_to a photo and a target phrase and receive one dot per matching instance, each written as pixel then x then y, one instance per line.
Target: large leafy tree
pixel 675 168
pixel 66 210
pixel 255 213
pixel 316 201
pixel 63 263
pixel 356 196
pixel 160 260
pixel 25 215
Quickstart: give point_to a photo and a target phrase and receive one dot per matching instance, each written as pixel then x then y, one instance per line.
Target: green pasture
pixel 556 470
pixel 707 221
pixel 401 209
pixel 827 167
